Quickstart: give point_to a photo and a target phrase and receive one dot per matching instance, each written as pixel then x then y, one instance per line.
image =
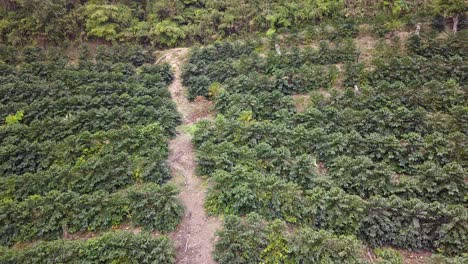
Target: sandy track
pixel 195 237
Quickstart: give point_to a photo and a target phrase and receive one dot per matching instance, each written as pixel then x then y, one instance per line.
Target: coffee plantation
pixel 383 163
pixel 233 132
pixel 83 149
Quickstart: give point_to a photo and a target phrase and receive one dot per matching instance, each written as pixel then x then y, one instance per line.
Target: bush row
pixel 411 70
pixel 252 240
pixel 75 105
pixel 365 165
pixel 54 214
pixel 124 53
pixel 84 163
pixel 259 106
pixel 378 221
pixel 93 121
pixel 293 72
pixel 115 247
pixel 27 87
pixel 429 46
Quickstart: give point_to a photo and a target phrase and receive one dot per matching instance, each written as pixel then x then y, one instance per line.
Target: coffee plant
pixel 48 216
pixel 112 247
pixel 388 256
pixel 83 148
pixel 382 160
pixel 252 240
pixel 298 72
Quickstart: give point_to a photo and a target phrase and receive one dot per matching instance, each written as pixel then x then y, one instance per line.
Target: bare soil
pixel 409 257
pixel 301 102
pixel 415 257
pixel 366 45
pixel 195 237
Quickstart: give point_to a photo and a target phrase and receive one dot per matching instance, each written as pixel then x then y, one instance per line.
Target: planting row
pixel 297 71
pixel 118 247
pixel 253 240
pixel 84 162
pixel 83 148
pixel 381 159
pixel 54 214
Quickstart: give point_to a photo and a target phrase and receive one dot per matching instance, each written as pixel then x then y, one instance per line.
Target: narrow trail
pixel 195 237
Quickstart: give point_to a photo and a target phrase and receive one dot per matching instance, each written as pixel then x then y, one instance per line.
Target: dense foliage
pixel 55 213
pixel 382 159
pixel 169 22
pixel 252 240
pixel 388 256
pixel 247 72
pixel 439 259
pixel 118 247
pixel 320 151
pixel 83 148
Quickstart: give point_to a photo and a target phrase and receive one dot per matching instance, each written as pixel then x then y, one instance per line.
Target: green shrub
pixel 440 259
pixel 155 207
pixel 414 224
pixel 334 210
pixel 164 70
pixel 241 241
pixel 252 240
pixel 107 248
pixel 388 256
pixel 320 246
pixel 49 215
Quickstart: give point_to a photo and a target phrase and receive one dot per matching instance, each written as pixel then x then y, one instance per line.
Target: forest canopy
pixel 173 22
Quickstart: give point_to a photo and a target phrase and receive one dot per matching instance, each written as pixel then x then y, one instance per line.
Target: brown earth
pixel 415 257
pixel 301 102
pixel 195 237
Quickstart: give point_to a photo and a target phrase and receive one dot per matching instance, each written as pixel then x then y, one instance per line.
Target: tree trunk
pixel 456 18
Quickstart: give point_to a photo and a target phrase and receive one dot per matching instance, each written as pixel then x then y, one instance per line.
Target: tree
pixel 46 20
pixel 167 33
pixel 451 9
pixel 107 21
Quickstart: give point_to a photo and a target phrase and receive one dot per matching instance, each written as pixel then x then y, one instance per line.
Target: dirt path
pixel 195 236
